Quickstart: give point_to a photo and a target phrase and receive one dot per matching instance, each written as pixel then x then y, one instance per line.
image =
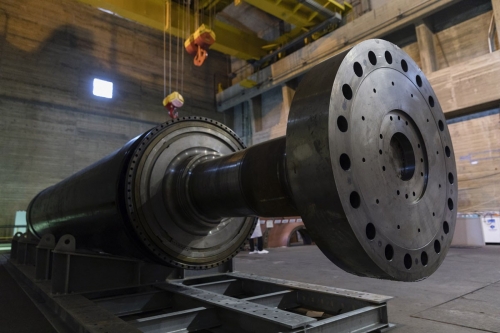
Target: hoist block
pixel 199 42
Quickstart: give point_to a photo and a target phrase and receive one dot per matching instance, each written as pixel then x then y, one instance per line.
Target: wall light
pixel 103 88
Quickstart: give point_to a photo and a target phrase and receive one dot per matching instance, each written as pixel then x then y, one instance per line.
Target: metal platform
pixel 84 292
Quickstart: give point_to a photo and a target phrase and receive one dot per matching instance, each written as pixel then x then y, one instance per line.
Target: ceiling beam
pixel 388 18
pixel 152 13
pixel 291 12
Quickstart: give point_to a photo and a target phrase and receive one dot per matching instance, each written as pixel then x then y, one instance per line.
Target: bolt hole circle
pixel 372 58
pixel 441 125
pixel 358 70
pixel 437 246
pixel 431 101
pixel 424 259
pixel 450 203
pixel 342 124
pixel 446 227
pixel 355 199
pixel 419 81
pixel 407 261
pixel 404 65
pixel 370 231
pixel 389 252
pixel 451 178
pixel 447 151
pixel 347 91
pixel 388 57
pixel 345 162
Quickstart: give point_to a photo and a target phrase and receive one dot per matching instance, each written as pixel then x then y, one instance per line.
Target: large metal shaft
pixel 367 162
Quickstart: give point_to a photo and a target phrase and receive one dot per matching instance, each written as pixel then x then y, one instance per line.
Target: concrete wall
pixel 50 123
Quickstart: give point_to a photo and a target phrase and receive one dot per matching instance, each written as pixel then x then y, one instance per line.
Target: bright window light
pixel 103 88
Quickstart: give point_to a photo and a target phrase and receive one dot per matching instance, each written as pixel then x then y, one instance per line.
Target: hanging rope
pixel 165 50
pixel 170 46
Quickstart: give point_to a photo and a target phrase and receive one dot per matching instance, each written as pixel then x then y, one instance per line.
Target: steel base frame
pixel 87 292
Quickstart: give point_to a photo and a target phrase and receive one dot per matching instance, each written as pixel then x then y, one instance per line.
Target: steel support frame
pixel 95 293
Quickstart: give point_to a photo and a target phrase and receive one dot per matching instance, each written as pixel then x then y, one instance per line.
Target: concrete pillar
pixel 425 39
pixel 288 93
pixel 496 12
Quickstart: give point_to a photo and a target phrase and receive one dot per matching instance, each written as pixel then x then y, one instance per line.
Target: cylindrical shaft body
pixel 89 205
pixel 249 182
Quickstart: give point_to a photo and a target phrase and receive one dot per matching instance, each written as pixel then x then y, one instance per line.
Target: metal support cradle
pixel 92 292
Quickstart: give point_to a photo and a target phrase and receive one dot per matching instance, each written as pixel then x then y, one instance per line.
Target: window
pixel 103 88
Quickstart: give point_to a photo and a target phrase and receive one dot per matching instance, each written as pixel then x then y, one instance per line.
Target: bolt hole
pixel 397 192
pixel 424 259
pixel 380 151
pixel 381 136
pixel 419 81
pixel 391 118
pixel 383 168
pixel 342 124
pixel 355 199
pixel 413 193
pixel 450 204
pixel 389 252
pixel 447 151
pixel 418 229
pixel 377 201
pixel 406 196
pixel 370 231
pixel 437 246
pixel 404 65
pixel 345 162
pixel 433 214
pixel 399 227
pixel 431 101
pixel 392 83
pixel 441 125
pixel 357 69
pixel 363 159
pixel 347 91
pixel 446 227
pixel 363 118
pixel 407 261
pixel 388 57
pixel 374 90
pixel 67 241
pixel 372 58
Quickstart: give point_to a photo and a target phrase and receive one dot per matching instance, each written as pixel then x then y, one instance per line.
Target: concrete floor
pixel 463 296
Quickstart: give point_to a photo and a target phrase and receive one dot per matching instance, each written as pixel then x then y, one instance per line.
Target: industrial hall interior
pixel 250 166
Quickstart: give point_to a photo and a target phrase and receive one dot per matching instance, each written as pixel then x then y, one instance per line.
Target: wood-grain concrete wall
pixel 50 123
pixel 476 143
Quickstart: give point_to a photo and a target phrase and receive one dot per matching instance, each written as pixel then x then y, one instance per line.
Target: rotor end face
pixel 393 168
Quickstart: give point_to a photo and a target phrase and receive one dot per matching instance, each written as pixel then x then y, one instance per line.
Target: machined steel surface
pixel 371 167
pixel 367 162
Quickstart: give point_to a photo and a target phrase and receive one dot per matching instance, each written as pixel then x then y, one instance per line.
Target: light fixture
pixel 103 88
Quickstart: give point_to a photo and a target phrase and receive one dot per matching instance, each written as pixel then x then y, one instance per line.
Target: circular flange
pixel 386 195
pixel 156 206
